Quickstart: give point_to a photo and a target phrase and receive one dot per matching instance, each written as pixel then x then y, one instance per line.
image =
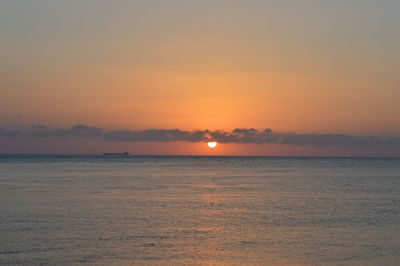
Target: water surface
pixel 72 210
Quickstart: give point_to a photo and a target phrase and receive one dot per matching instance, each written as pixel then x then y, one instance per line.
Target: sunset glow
pixel 200 132
pixel 134 72
pixel 212 144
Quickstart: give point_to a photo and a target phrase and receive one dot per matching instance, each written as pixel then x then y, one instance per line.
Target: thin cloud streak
pixel 238 135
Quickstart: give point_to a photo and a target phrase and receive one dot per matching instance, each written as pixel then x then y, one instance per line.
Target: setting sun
pixel 212 144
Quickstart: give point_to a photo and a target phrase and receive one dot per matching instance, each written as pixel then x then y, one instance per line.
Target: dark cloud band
pixel 238 135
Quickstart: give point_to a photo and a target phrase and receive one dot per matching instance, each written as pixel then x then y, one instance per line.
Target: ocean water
pixel 97 210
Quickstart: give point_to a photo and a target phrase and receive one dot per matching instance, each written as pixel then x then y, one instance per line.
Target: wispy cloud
pixel 162 135
pixel 76 131
pixel 238 135
pixel 10 133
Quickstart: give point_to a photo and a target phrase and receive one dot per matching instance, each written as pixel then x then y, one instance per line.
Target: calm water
pixel 72 210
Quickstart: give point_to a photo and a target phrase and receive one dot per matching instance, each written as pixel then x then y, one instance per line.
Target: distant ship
pixel 117 153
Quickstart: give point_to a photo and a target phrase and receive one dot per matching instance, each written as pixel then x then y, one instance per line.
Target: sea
pixel 198 210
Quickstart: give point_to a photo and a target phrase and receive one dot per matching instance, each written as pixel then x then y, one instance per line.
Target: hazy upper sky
pixel 293 66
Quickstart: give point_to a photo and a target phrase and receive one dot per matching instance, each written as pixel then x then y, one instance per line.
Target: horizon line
pixel 199 155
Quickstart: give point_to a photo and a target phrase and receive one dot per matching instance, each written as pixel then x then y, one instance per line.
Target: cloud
pixel 10 133
pixel 76 131
pixel 161 135
pixel 38 126
pixel 341 140
pixel 237 135
pixel 244 135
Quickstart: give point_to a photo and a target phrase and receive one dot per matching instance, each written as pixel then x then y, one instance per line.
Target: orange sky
pixel 293 66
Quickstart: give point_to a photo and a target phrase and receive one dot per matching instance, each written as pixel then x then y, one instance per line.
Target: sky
pixel 300 77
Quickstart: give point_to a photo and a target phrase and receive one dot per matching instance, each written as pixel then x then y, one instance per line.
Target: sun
pixel 212 144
